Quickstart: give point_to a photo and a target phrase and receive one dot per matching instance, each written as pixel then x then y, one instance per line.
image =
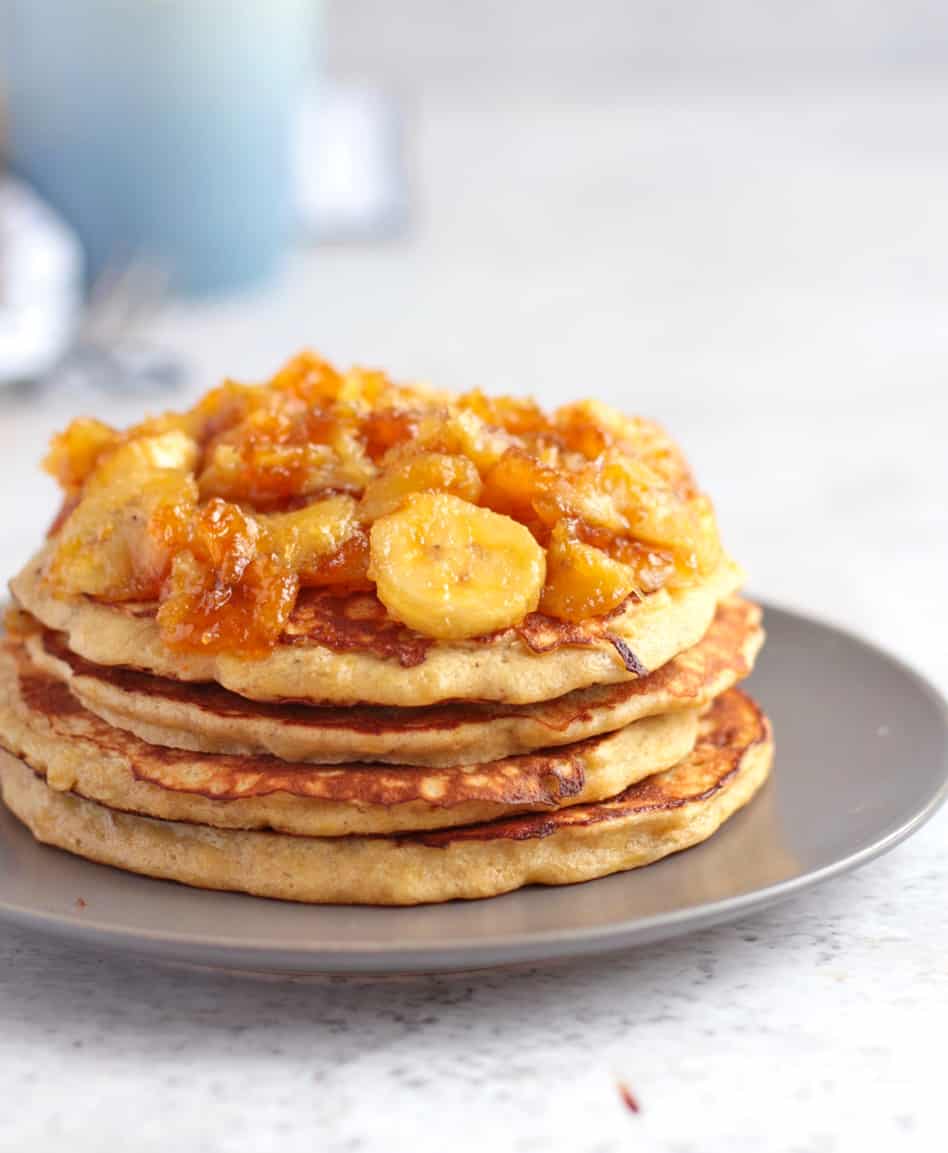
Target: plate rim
pixel 388 956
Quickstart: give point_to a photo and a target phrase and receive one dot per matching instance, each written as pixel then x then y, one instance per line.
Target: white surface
pixel 349 169
pixel 40 283
pixel 770 281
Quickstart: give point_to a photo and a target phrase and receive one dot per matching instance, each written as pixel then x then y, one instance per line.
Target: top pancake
pixel 207 718
pixel 373 660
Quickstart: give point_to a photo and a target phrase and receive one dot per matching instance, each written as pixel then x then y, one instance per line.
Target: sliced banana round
pixel 452 570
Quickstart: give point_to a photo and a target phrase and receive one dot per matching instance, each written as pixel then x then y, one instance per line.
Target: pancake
pixel 207 718
pixel 372 660
pixel 76 751
pixel 657 816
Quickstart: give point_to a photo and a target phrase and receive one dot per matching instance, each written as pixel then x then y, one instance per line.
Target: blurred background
pixel 730 215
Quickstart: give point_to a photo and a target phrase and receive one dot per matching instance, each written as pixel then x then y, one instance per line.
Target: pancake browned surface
pixel 77 751
pixel 207 718
pixel 539 660
pixel 649 820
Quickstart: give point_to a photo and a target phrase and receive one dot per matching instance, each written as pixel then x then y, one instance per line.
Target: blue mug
pixel 161 129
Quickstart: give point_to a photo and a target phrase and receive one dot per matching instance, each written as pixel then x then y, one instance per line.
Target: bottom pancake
pixel 663 814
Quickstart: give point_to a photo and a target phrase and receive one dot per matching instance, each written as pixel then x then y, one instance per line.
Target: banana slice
pixel 452 570
pixel 582 581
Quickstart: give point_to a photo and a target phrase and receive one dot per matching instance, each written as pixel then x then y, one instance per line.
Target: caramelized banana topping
pixel 462 514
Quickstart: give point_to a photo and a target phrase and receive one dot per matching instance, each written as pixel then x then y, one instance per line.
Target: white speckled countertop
pixel 811 1028
pixel 770 281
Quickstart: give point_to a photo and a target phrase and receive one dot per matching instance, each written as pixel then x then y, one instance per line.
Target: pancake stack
pixel 390 742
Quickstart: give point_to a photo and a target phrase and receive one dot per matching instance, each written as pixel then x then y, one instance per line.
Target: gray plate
pixel 862 762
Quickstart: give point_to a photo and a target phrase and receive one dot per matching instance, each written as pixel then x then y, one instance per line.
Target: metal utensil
pixel 108 352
